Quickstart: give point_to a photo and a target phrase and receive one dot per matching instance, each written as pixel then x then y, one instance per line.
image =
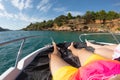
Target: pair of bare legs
pixel 106 50
pixel 56 62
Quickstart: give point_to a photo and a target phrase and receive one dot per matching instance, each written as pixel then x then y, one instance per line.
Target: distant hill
pixel 91 21
pixel 2 29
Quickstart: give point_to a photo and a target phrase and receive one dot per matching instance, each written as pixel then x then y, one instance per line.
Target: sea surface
pixel 8 52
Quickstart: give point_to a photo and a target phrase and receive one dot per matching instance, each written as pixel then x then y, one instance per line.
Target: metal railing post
pixel 19 52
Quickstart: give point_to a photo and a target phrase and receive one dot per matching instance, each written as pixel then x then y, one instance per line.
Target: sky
pixel 17 14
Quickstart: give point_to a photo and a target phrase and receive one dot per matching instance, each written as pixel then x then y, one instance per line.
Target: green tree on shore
pixel 102 16
pixel 60 20
pixel 89 17
pixel 69 15
pixel 112 15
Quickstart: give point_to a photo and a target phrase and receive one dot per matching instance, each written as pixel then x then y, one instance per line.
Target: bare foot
pixel 73 49
pixel 82 54
pixel 71 46
pixel 55 52
pixel 92 45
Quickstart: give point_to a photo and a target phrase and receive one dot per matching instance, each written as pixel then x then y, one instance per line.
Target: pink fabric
pixel 98 70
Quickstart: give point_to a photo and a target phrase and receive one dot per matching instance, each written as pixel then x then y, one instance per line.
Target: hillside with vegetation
pixel 2 29
pixel 91 21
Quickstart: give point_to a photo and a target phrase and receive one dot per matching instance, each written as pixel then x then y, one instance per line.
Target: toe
pixel 71 46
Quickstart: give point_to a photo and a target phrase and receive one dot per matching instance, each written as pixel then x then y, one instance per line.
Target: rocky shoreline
pixel 76 24
pixel 112 26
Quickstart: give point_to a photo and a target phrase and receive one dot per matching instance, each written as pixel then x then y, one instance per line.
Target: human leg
pixel 59 68
pixel 82 54
pixel 56 62
pixel 112 47
pixel 117 77
pixel 106 50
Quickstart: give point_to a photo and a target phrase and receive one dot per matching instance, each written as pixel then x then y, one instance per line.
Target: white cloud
pixel 19 16
pixel 16 20
pixel 44 5
pixel 65 11
pixel 75 13
pixel 2 7
pixel 5 14
pixel 60 9
pixel 28 4
pixel 117 4
pixel 21 4
pixel 26 18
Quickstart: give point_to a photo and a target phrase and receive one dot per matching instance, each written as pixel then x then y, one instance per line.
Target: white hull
pixel 13 72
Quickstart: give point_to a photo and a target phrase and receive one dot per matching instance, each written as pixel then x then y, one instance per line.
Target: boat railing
pixel 21 46
pixel 90 34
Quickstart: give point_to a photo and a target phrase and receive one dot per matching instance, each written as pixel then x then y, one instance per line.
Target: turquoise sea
pixel 8 52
